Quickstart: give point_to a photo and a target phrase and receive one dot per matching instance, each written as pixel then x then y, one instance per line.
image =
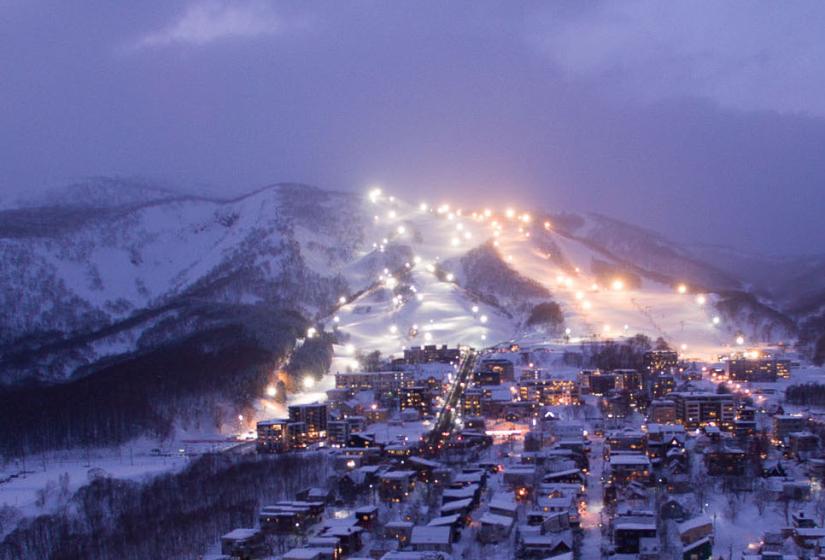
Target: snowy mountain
pixel 180 303
pixel 93 267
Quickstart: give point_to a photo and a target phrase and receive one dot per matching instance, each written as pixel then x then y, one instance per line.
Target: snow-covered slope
pixel 89 276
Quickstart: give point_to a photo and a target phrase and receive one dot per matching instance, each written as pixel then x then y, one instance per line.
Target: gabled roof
pixel 430 535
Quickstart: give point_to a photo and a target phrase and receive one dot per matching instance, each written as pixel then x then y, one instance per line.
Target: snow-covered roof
pixel 495 519
pixel 444 520
pixel 430 535
pixel 240 534
pixel 694 523
pixel 398 475
pixel 456 505
pixel 306 553
pixel 629 459
pixel 464 492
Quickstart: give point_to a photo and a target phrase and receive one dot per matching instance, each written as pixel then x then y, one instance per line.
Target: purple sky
pixel 705 121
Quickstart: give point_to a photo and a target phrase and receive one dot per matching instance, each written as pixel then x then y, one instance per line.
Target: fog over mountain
pixel 694 121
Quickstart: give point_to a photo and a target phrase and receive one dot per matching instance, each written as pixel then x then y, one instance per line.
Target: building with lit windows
pixel 503 369
pixel 431 353
pixel 279 435
pixel 379 381
pixel 549 392
pixel 758 370
pixel 417 397
pixel 699 408
pixel 660 361
pixel 314 417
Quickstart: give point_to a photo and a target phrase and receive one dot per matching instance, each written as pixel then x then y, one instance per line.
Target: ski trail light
pixel 617 284
pixel 450 277
pixel 716 320
pixel 510 213
pixel 342 300
pixel 349 349
pixel 740 340
pixel 271 391
pixel 701 300
pixel 309 382
pixel 311 332
pixel 681 288
pixel 475 309
pixel 401 230
pixel 423 207
pixel 483 318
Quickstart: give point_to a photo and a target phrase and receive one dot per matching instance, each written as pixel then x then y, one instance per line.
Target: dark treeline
pixel 174 516
pixel 628 354
pixel 547 313
pixel 806 394
pixel 812 338
pixel 313 357
pixel 145 393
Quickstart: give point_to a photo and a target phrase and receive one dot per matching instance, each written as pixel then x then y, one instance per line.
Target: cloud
pixel 213 20
pixel 770 58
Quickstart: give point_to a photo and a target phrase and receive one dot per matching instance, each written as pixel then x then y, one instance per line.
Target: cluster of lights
pixel 461 233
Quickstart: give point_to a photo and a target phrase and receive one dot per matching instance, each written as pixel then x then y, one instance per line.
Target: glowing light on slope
pixel 740 340
pixel 716 320
pixel 617 284
pixel 701 300
pixel 271 391
pixel 681 288
pixel 309 382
